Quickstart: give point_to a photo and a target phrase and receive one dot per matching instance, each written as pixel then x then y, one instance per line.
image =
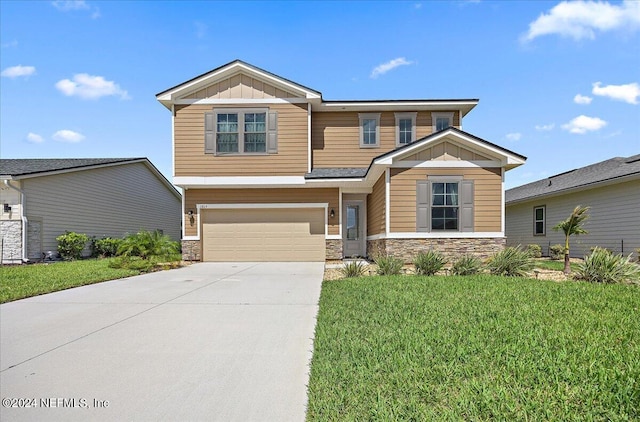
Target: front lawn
pixel 475 348
pixel 20 281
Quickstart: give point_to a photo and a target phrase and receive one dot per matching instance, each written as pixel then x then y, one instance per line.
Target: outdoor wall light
pixel 7 208
pixel 191 219
pixel 332 213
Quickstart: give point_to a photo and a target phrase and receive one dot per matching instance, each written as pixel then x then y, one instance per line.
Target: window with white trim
pixel 240 131
pixel 539 223
pixel 369 130
pixel 444 203
pixel 405 128
pixel 441 120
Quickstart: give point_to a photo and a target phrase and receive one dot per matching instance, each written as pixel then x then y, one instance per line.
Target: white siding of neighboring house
pixel 107 201
pixel 614 218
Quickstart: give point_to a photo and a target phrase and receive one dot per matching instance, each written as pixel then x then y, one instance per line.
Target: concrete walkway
pixel 208 342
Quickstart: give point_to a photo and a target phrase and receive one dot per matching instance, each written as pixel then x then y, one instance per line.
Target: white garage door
pixel 280 234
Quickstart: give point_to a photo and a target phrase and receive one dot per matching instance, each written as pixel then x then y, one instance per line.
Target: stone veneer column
pixel 11 235
pixel 191 250
pixel 333 249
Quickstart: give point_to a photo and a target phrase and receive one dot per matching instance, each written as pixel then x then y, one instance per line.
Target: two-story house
pixel 273 172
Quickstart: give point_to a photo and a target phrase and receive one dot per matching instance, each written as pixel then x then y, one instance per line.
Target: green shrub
pixel 388 265
pixel 105 247
pixel 512 262
pixel 71 244
pixel 146 244
pixel 556 252
pixel 429 263
pixel 534 251
pixel 602 266
pixel 467 265
pixel 132 263
pixel 353 269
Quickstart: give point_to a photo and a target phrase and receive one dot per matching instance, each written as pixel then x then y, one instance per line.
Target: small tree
pixel 572 225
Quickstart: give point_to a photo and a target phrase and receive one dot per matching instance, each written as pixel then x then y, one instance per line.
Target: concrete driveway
pixel 212 341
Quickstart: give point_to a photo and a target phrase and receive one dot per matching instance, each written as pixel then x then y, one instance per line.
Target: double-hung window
pixel 441 120
pixel 369 130
pixel 539 221
pixel 405 128
pixel 444 203
pixel 240 131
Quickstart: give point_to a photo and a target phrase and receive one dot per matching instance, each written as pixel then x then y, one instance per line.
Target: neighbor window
pixel 405 128
pixel 441 121
pixel 539 221
pixel 444 204
pixel 240 131
pixel 369 130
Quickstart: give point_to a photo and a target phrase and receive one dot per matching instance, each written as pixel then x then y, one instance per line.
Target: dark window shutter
pixel 272 133
pixel 422 206
pixel 209 133
pixel 466 206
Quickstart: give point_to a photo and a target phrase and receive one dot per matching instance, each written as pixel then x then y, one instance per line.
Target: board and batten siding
pixel 290 160
pixel 614 219
pixel 335 137
pixel 376 210
pixel 193 197
pixel 107 201
pixel 487 205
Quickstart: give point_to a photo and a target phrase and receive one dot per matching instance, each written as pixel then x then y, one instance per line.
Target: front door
pixel 353 229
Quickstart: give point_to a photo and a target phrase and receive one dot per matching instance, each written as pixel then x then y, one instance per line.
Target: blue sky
pixel 558 82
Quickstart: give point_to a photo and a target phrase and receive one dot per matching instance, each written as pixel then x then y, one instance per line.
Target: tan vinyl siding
pixel 240 86
pixel 108 201
pixel 376 211
pixel 290 160
pixel 260 196
pixel 614 218
pixel 487 196
pixel 335 137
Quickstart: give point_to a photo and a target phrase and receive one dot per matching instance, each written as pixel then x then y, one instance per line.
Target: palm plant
pixel 570 226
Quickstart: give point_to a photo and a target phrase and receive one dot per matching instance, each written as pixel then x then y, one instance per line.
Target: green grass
pixel 475 348
pixel 17 282
pixel 548 264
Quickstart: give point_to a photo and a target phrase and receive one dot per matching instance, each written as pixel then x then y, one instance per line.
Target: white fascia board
pixel 445 235
pixel 263 206
pixel 395 105
pixel 446 164
pixel 239 181
pixel 226 101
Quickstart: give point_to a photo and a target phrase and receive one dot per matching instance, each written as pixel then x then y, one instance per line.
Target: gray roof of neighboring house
pixel 336 173
pixel 595 173
pixel 25 166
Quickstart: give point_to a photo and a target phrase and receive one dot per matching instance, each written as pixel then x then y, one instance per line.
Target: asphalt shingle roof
pixel 25 166
pixel 336 173
pixel 599 172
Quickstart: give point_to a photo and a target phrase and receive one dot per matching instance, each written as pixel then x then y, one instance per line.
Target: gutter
pixel 22 217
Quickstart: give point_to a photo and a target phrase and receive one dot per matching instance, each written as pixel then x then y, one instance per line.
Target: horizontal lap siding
pixel 487 196
pixel 291 159
pixel 258 196
pixel 376 208
pixel 335 137
pixel 613 218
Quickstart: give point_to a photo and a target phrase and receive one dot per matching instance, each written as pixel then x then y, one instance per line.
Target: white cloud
pixel 34 138
pixel 628 93
pixel 201 29
pixel 66 5
pixel 90 87
pixel 581 19
pixel 67 135
pixel 583 124
pixel 514 136
pixel 545 128
pixel 17 71
pixel 582 99
pixel 390 65
pixel 10 44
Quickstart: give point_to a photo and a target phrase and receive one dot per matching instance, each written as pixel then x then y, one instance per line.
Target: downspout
pixel 23 218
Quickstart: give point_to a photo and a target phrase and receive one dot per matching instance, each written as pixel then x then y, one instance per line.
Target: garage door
pixel 281 234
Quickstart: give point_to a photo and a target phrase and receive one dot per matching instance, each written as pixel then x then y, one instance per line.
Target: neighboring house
pixel 273 172
pixel 611 188
pixel 43 198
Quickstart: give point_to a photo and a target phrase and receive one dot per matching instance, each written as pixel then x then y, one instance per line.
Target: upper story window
pixel 240 131
pixel 405 128
pixel 444 203
pixel 441 121
pixel 369 130
pixel 539 221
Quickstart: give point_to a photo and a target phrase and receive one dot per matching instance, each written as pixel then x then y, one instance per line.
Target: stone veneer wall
pixel 334 249
pixel 407 249
pixel 11 235
pixel 191 250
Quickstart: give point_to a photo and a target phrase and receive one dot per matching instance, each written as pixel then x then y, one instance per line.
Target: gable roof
pixel 604 171
pixel 23 168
